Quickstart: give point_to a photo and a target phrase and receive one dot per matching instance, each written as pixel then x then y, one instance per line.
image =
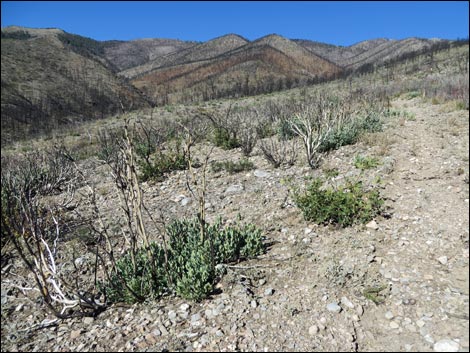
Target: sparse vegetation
pixel 124 212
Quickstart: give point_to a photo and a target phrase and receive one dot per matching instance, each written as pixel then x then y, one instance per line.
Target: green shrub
pixel 285 130
pixel 225 140
pixel 265 129
pixel 233 167
pixel 162 163
pixel 401 113
pixel 146 280
pixel 190 272
pixel 19 35
pixel 345 205
pixel 331 172
pixel 413 94
pixel 191 260
pixel 461 105
pixel 364 163
pixel 349 133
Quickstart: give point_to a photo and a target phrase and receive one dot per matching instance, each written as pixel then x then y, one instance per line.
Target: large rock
pixel 261 174
pixel 234 189
pixel 446 345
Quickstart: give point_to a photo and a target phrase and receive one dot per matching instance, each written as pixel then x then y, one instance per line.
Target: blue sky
pixel 334 22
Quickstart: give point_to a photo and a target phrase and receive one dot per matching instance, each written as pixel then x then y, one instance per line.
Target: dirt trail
pixel 425 250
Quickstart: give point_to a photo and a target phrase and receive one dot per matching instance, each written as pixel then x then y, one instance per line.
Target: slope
pixel 48 81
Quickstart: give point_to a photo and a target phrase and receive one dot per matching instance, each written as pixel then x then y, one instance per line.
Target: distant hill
pixel 129 54
pixel 375 51
pixel 51 77
pixel 231 66
pixel 49 80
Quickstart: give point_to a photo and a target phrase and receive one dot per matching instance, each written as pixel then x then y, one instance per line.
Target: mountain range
pixel 51 77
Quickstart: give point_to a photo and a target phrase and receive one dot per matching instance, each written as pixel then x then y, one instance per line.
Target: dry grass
pixel 381 141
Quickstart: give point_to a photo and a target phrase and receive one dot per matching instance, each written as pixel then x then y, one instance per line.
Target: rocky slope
pixel 312 289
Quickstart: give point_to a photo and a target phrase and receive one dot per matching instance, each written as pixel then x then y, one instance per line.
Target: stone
pixel 345 301
pixel 333 307
pixel 233 189
pixel 88 320
pixel 186 201
pixel 268 291
pixel 179 198
pixel 360 310
pixel 389 315
pixel 184 307
pixel 394 325
pixel 442 260
pixel 446 345
pixel 195 317
pixel 208 313
pixel 313 330
pixel 75 334
pixel 261 174
pixel 172 315
pixel 372 225
pixel 150 338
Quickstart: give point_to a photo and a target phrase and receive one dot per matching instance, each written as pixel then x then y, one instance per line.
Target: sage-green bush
pixel 349 133
pixel 190 271
pixel 161 164
pixel 147 280
pixel 344 205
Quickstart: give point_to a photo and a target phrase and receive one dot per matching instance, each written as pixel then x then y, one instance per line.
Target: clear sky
pixel 333 22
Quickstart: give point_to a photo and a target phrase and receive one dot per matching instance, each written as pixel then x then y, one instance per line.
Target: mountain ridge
pixel 50 76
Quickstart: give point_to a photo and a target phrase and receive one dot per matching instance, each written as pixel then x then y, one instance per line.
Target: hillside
pixel 199 52
pixel 255 67
pixel 47 82
pixel 375 51
pixel 128 54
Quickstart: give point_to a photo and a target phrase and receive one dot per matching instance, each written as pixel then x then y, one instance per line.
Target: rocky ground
pixel 315 287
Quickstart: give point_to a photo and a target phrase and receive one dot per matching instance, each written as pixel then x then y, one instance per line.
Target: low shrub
pixel 349 133
pixel 147 280
pixel 285 130
pixel 190 271
pixel 344 205
pixel 161 164
pixel 192 258
pixel 225 140
pixel 364 163
pixel 233 167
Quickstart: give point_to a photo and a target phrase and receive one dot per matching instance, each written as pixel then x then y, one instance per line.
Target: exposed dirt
pixel 281 301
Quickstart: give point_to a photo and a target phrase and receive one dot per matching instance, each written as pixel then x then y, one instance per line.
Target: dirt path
pixel 425 250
